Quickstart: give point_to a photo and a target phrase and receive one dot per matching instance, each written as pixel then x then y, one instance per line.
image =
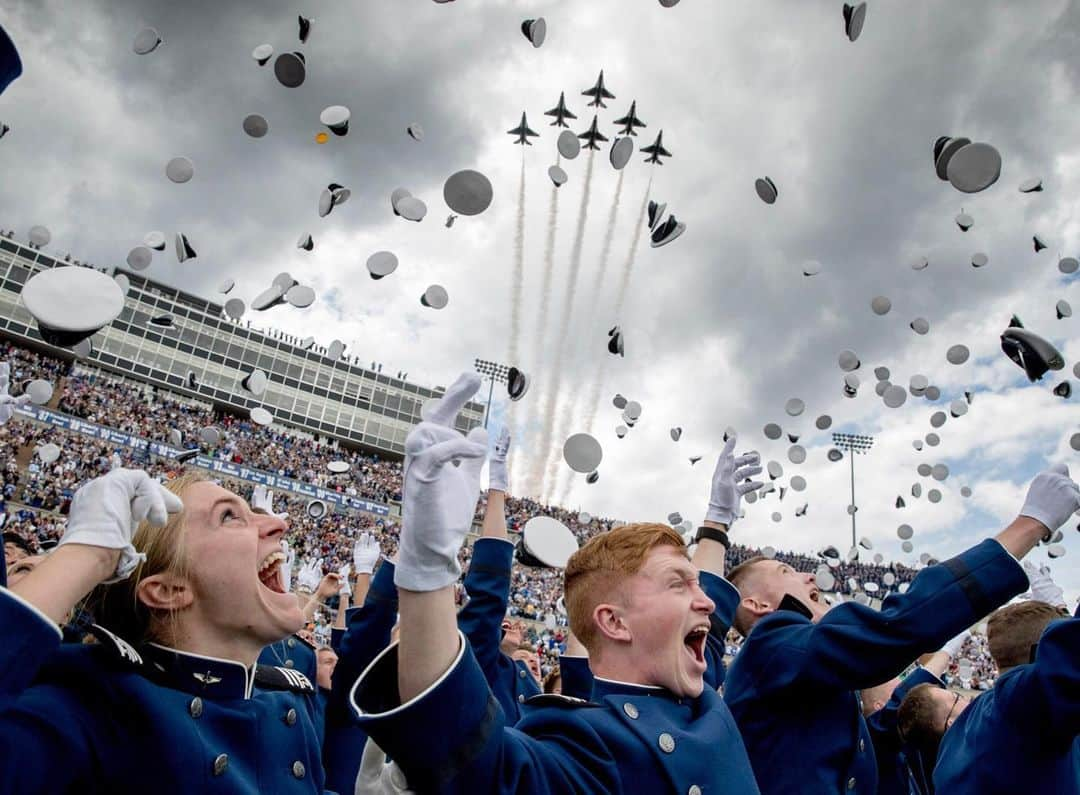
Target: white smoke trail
pixel 519 270
pixel 628 267
pixel 593 402
pixel 532 476
pixel 549 463
pixel 593 323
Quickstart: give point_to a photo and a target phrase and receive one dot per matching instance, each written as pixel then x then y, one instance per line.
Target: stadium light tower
pixel 494 371
pixel 854 443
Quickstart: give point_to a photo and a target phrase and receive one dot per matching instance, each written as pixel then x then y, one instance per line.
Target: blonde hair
pixel 117 606
pixel 600 568
pixel 1013 630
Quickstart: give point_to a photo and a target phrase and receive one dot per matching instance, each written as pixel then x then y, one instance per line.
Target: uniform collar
pixel 198 674
pixel 612 687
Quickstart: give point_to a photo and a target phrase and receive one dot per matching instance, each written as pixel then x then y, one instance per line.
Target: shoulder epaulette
pixel 557 700
pixel 119 647
pixel 306 642
pixel 273 677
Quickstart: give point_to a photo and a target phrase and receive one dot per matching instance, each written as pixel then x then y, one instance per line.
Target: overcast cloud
pixel 721 327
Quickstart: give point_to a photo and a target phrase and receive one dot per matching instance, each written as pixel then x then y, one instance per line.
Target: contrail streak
pixel 519 270
pixel 550 463
pixel 593 402
pixel 532 476
pixel 594 322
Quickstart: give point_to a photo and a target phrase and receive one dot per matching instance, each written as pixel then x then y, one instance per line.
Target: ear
pixel 756 606
pixel 608 620
pixel 165 591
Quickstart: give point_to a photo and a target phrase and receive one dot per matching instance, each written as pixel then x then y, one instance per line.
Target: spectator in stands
pixel 16 548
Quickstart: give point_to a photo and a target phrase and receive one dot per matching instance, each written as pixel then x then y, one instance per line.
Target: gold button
pixel 851 783
pixel 862 744
pixel 694 790
pixel 291 642
pixel 290 717
pixel 298 769
pixel 220 763
pixel 630 710
pixel 667 743
pixel 288 663
pixel 521 699
pixel 195 707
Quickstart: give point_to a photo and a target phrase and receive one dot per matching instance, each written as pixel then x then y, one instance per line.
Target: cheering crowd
pixel 349 636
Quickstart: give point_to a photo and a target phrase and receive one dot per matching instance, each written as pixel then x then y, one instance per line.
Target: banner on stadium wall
pixel 238 471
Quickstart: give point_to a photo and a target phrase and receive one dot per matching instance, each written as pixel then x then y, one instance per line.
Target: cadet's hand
pixel 952 648
pixel 263 499
pixel 498 479
pixel 309 576
pixel 728 484
pixel 328 586
pixel 286 567
pixel 441 488
pixel 106 511
pixel 376 777
pixel 1052 498
pixel 344 587
pixel 365 553
pixel 1043 587
pixel 8 404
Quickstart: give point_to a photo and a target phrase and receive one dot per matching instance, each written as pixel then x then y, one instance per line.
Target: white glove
pixel 309 576
pixel 727 483
pixel 8 404
pixel 286 567
pixel 344 588
pixel 263 499
pixel 106 511
pixel 439 499
pixel 1052 498
pixel 365 553
pixel 376 777
pixel 952 648
pixel 1043 587
pixel 498 480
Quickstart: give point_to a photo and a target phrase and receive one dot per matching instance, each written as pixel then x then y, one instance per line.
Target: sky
pixel 720 326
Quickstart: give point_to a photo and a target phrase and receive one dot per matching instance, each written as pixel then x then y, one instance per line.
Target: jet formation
pixel 523 132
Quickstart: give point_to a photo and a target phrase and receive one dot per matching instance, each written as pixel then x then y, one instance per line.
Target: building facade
pixel 307 390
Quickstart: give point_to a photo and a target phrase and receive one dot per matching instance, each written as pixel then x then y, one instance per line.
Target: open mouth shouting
pixel 270 571
pixel 695 643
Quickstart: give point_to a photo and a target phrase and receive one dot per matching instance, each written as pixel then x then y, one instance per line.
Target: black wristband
pixel 715 534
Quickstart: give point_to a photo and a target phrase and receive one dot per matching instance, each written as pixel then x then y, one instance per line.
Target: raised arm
pixel 439 501
pixel 854 646
pixel 39 724
pixel 730 481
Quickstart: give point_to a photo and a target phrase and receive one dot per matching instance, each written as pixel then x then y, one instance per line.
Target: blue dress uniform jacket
pixel 292 652
pixel 892 764
pixel 791 687
pixel 1022 736
pixel 577 678
pixel 488 586
pixel 454 738
pixel 110 718
pixel 368 633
